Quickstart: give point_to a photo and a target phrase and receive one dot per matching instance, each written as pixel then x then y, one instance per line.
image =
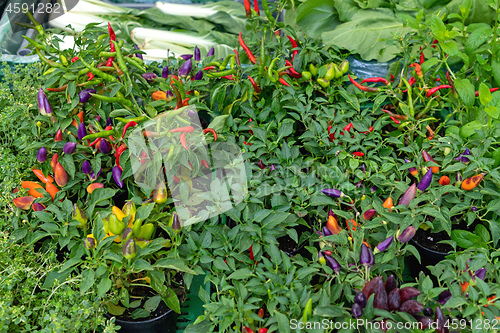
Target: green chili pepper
pixel 306 75
pixel 214 63
pixel 313 70
pixel 101 37
pixel 63 60
pixel 119 58
pixel 225 62
pixel 121 43
pixel 83 71
pixel 273 75
pixel 171 152
pixel 90 83
pixel 307 311
pixel 221 74
pixel 268 12
pixel 37 25
pixel 97 72
pixel 136 119
pixel 133 62
pixel 49 62
pixel 330 72
pixel 118 100
pixel 102 134
pixel 105 54
pixel 182 120
pixel 233 62
pixel 323 82
pixel 147 231
pixel 36 44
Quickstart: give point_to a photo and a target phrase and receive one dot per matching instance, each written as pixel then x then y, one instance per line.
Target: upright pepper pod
pixel 147 231
pixel 79 215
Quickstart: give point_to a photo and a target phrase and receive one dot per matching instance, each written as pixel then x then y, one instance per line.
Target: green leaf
pixel 470 129
pixel 219 123
pixel 365 35
pixel 243 273
pixel 316 16
pixel 466 91
pixel 464 238
pixel 450 47
pixel 103 286
pixel 173 263
pixel 484 94
pixel 492 111
pixel 477 38
pixel 495 70
pixel 171 300
pixel 152 303
pixel 283 322
pixel 87 280
pixel 114 309
pixel 482 232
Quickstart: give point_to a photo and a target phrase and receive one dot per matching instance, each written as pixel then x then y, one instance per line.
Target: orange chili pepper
pixel 464 286
pixel 389 203
pixel 489 301
pixel 40 175
pixel 159 95
pixel 32 186
pixel 471 182
pixel 52 189
pixel 333 225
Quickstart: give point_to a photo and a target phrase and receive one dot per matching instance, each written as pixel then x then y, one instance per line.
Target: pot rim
pixel 117 320
pixel 414 242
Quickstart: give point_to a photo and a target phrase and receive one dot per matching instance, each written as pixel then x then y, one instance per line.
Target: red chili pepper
pixel 370 129
pixel 395 120
pixel 396 116
pixel 294 45
pixel 90 76
pixel 210 130
pixel 108 128
pixel 248 144
pixel 209 68
pixel 237 57
pixel 187 129
pixel 348 127
pixel 392 78
pixel 376 80
pixel 112 37
pixel 185 102
pixel 422 58
pixel 119 152
pixel 438 79
pixel 256 7
pixel 293 73
pixel 358 153
pixel 248 8
pixel 177 179
pixel 183 140
pixel 363 88
pixel 251 253
pixel 256 88
pixel 58 89
pixel 205 164
pixel 277 33
pixel 491 90
pixel 283 82
pixel 95 142
pixel 127 126
pixel 431 91
pixel 434 42
pixel 74 59
pixel 249 53
pixel 228 77
pixel 247 330
pixel 261 313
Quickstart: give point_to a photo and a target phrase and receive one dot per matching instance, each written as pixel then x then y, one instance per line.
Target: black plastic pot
pixel 165 323
pixel 428 257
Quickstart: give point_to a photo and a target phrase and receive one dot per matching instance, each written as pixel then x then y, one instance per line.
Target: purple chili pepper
pixel 198 76
pixel 149 76
pixel 462 157
pixel 93 176
pixel 41 155
pixel 412 170
pixel 319 233
pixel 86 168
pixel 43 103
pixel 374 188
pixel 165 72
pixel 409 195
pixel 84 95
pixel 186 56
pixel 382 246
pixel 273 167
pixel 211 52
pixel 426 180
pixel 372 257
pixel 458 177
pixel 69 147
pixel 407 234
pixel 117 175
pixel 138 55
pixel 332 263
pixel 82 131
pixel 98 118
pixel 197 54
pixel 327 231
pixel 362 168
pixel 480 273
pixel 104 146
pixel 364 257
pixel 473 208
pixel 185 68
pixel 444 297
pixel 332 192
pixel 170 95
